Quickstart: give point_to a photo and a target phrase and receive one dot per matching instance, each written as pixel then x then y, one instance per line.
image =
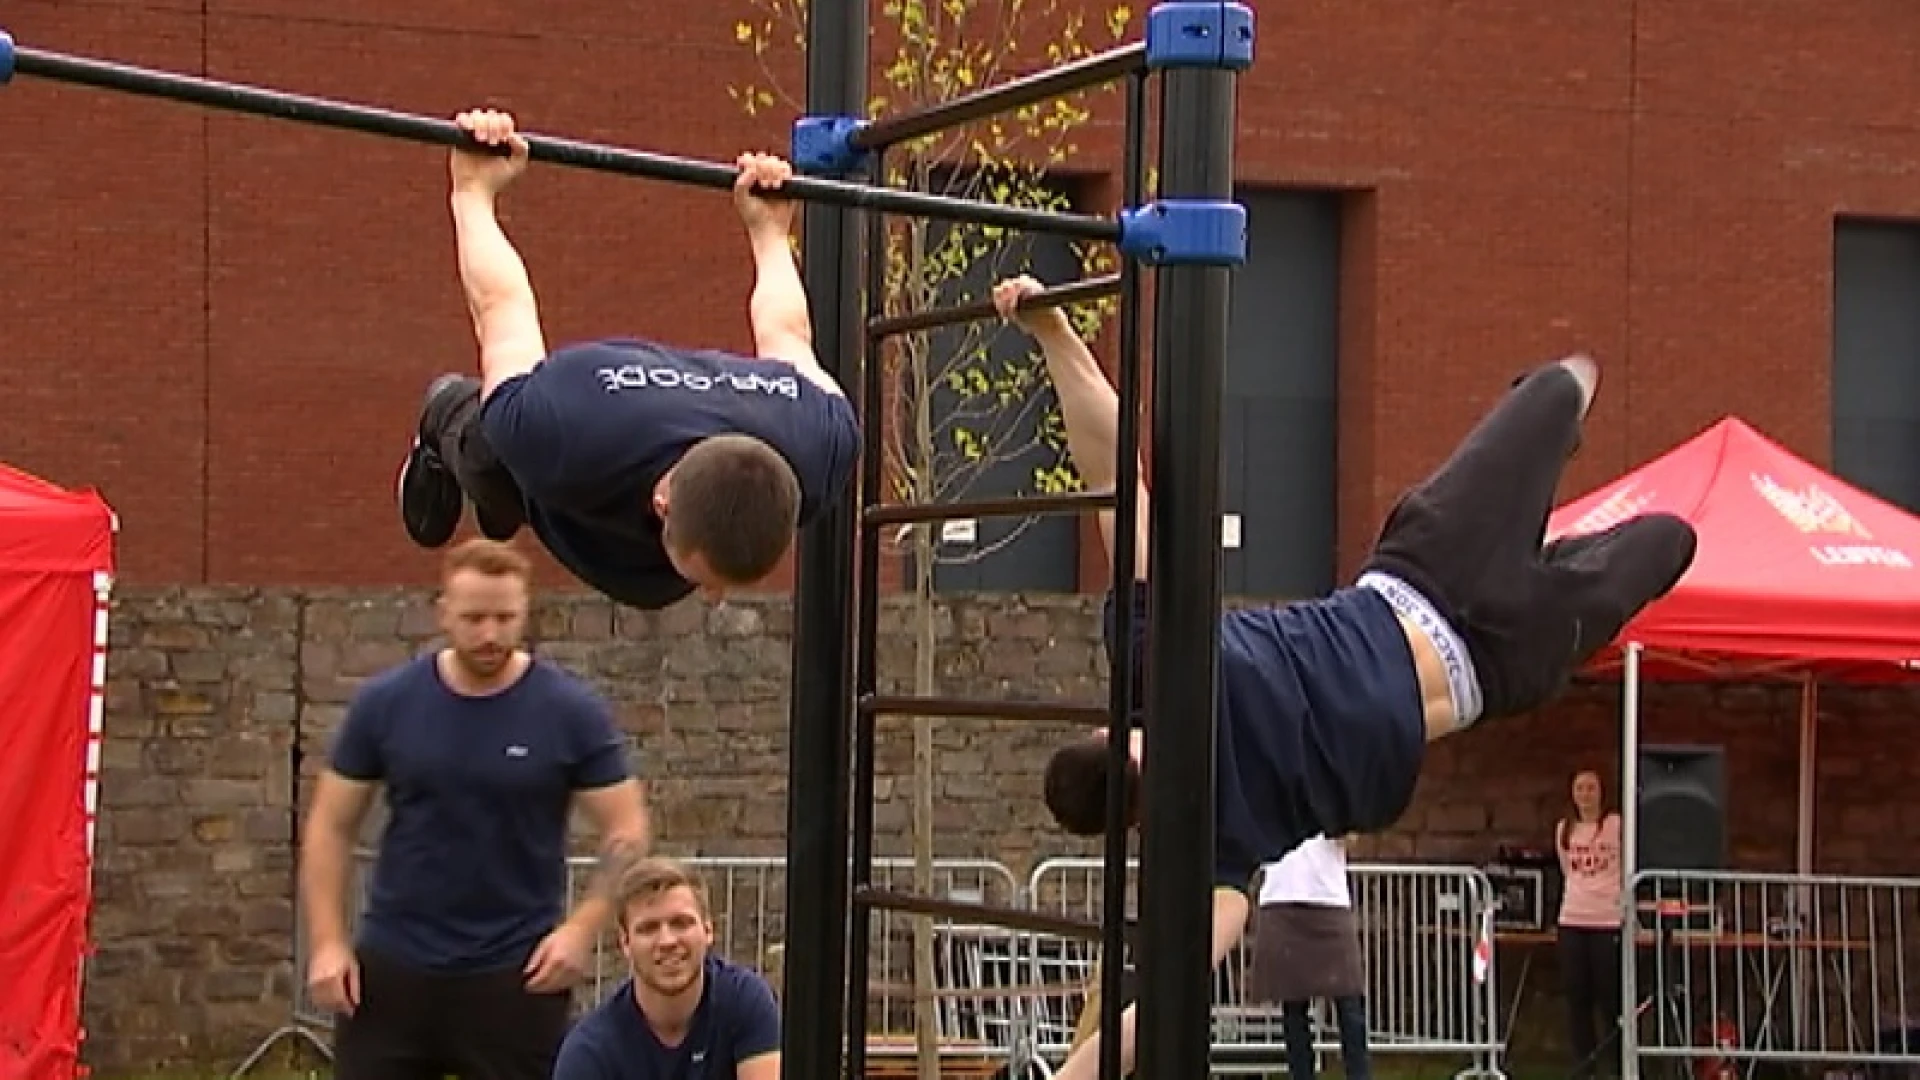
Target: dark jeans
pixel 1590 978
pixel 1350 1016
pixel 422 1025
pixel 1470 539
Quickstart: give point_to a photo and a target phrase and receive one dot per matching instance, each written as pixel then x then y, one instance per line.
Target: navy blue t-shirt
pixel 590 431
pixel 735 1021
pixel 471 871
pixel 1320 726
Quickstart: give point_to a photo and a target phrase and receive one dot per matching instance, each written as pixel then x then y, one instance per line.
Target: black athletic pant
pixel 1469 538
pixel 420 1025
pixel 457 435
pixel 1590 978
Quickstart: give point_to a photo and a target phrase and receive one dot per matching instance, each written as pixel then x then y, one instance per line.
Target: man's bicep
pixel 340 803
pixel 619 815
pixel 357 749
pixel 511 341
pixel 760 1067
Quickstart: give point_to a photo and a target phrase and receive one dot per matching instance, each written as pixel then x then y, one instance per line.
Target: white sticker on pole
pixel 962 531
pixel 1230 531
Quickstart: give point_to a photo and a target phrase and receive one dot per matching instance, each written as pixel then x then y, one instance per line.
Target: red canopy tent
pixel 56 570
pixel 1798 574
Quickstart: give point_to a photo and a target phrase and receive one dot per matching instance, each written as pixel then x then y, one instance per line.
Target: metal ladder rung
pixel 1038 922
pixel 1075 502
pixel 956 707
pixel 1094 288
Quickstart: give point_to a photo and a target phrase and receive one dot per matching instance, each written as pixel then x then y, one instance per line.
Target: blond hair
pixel 646 879
pixel 489 557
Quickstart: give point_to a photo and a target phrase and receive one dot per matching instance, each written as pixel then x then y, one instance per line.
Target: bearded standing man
pixel 687 1013
pixel 463 964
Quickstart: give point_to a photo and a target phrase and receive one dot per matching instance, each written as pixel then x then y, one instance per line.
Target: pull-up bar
pixel 322 112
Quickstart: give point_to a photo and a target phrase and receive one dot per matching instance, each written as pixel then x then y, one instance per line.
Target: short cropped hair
pixel 1076 786
pixel 489 557
pixel 736 502
pixel 641 880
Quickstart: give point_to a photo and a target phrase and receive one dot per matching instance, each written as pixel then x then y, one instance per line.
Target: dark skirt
pixel 1306 951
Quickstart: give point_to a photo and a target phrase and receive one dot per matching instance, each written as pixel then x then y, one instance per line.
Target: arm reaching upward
pixel 777 310
pixel 1089 405
pixel 506 320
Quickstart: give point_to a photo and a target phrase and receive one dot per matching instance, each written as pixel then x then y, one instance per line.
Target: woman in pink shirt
pixel 1589 847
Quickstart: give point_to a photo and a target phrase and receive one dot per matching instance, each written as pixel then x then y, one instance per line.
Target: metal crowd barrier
pixel 1731 969
pixel 1425 942
pixel 746 896
pixel 1011 999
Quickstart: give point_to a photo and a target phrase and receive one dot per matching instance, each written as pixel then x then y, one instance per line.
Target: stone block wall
pixel 221 702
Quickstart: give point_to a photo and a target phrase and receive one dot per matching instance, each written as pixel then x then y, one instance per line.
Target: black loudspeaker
pixel 1682 808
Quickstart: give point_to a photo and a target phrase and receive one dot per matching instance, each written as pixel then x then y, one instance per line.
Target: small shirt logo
pixel 516 751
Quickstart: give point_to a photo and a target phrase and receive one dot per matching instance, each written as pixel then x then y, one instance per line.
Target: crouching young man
pixel 686 1012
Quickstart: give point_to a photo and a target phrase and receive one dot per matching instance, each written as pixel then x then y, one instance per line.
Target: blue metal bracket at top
pixel 823 145
pixel 6 57
pixel 1185 232
pixel 1200 34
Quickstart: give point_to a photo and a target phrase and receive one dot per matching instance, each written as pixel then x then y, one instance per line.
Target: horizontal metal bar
pixel 1075 502
pixel 1038 922
pixel 1088 71
pixel 594 157
pixel 912 705
pixel 934 318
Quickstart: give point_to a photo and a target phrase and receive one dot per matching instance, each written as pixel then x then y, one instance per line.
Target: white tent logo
pixel 1810 510
pixel 1815 512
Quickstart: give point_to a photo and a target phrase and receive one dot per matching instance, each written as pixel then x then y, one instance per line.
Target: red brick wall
pixel 224 323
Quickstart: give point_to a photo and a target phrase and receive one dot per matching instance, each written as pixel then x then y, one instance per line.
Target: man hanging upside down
pixel 1326 706
pixel 647 470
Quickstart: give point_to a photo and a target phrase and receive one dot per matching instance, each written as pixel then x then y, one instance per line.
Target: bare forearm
pixel 617 850
pixel 491 271
pixel 326 862
pixel 778 307
pixel 1090 409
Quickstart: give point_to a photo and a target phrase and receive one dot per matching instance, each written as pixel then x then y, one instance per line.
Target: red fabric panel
pixel 46 656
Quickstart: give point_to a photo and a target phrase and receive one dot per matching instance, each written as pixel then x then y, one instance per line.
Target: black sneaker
pixel 429 495
pixel 500 517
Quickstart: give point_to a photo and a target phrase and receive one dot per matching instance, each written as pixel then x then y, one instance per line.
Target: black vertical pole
pixel 1177 842
pixel 1113 904
pixel 822 696
pixel 867 649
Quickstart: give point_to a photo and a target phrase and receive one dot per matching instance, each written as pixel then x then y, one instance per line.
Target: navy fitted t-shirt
pixel 590 431
pixel 735 1021
pixel 471 871
pixel 1320 725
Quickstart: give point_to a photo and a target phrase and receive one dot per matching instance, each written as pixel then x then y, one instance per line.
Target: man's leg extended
pixel 1464 546
pixel 1484 511
pixel 1606 578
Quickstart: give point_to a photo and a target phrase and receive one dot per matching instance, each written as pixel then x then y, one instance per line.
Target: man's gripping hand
pixel 1007 296
pixel 765 214
pixel 481 173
